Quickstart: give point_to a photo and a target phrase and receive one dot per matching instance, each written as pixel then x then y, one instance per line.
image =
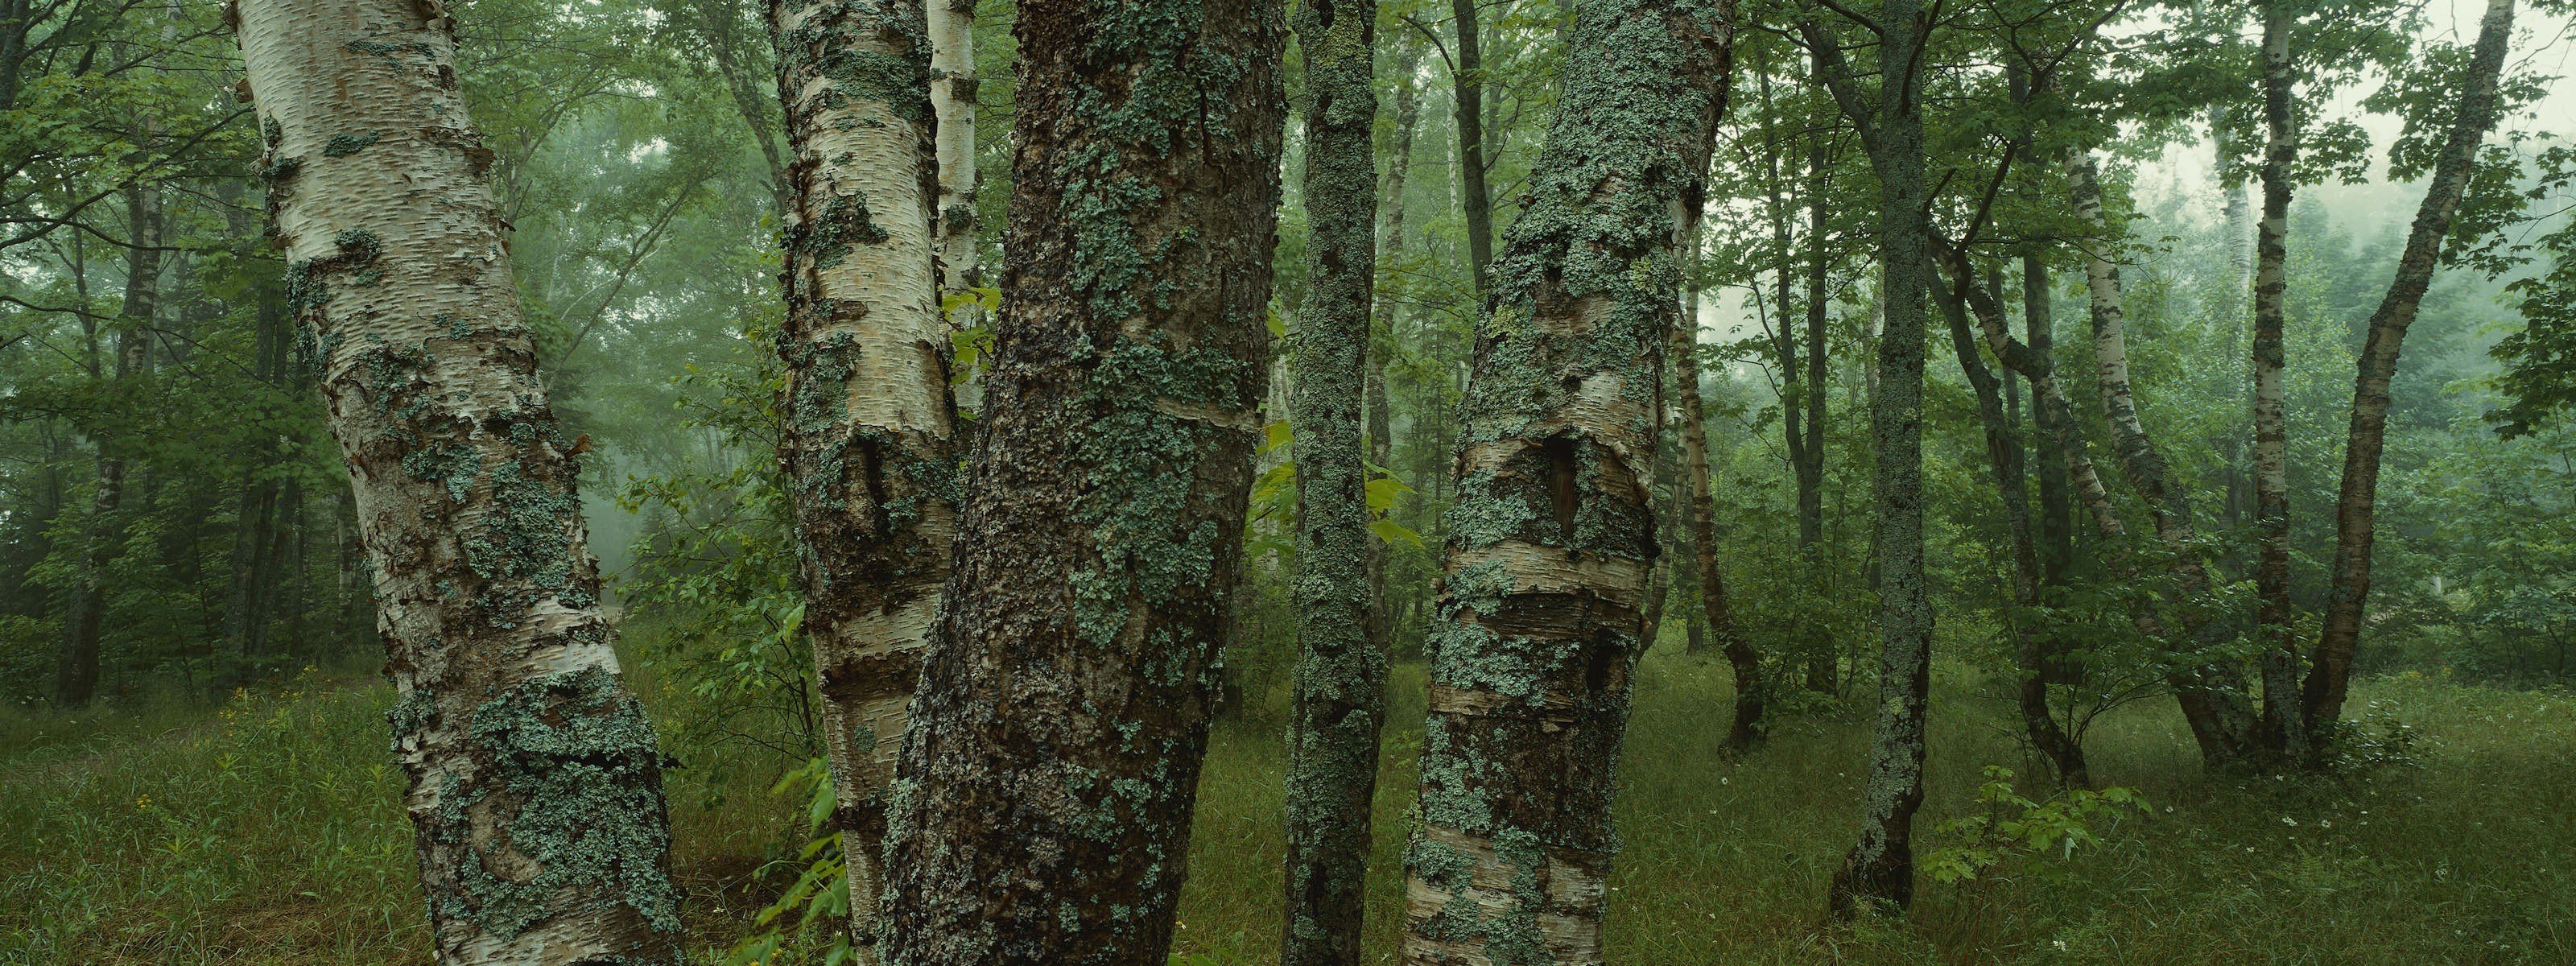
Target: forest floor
pixel 269 830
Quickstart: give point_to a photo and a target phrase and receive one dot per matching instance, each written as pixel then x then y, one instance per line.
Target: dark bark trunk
pixel 2355 504
pixel 1339 687
pixel 76 672
pixel 2004 456
pixel 1552 539
pixel 1822 666
pixel 1468 79
pixel 1042 807
pixel 1879 870
pixel 250 601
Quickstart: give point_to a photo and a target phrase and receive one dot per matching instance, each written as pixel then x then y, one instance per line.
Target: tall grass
pixel 269 830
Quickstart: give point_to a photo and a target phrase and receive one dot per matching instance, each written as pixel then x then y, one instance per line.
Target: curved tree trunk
pixel 1339 690
pixel 2213 694
pixel 2355 504
pixel 868 444
pixel 535 784
pixel 1552 538
pixel 2284 724
pixel 2004 456
pixel 1042 807
pixel 1751 689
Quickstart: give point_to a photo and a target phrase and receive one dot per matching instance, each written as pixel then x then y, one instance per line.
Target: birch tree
pixel 867 447
pixel 1552 539
pixel 535 788
pixel 1042 806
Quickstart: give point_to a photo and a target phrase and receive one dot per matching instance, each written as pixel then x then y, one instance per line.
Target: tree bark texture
pixel 2274 614
pixel 1552 537
pixel 2330 669
pixel 1339 686
pixel 1042 807
pixel 535 784
pixel 868 448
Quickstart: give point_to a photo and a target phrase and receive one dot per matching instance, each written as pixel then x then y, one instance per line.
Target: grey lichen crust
pixel 1552 534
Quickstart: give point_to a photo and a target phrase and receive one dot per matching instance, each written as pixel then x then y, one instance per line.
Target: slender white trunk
pixel 536 789
pixel 869 416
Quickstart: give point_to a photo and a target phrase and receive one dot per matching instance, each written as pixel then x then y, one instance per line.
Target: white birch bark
pixel 870 420
pixel 535 789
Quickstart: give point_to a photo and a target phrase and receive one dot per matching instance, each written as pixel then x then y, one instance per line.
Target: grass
pixel 269 830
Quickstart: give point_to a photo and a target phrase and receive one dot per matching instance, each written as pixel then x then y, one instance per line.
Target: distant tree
pixel 535 783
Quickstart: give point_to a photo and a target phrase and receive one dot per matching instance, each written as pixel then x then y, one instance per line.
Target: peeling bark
pixel 535 784
pixel 2356 503
pixel 869 426
pixel 1552 539
pixel 1042 804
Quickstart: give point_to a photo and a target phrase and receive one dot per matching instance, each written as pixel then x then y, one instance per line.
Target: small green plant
pixel 820 896
pixel 2375 742
pixel 2015 825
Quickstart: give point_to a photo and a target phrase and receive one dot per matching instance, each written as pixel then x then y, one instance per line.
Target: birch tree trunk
pixel 868 445
pixel 535 785
pixel 2284 721
pixel 2213 695
pixel 1552 538
pixel 2355 505
pixel 1752 690
pixel 1042 806
pixel 1339 689
pixel 1879 869
pixel 951 24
